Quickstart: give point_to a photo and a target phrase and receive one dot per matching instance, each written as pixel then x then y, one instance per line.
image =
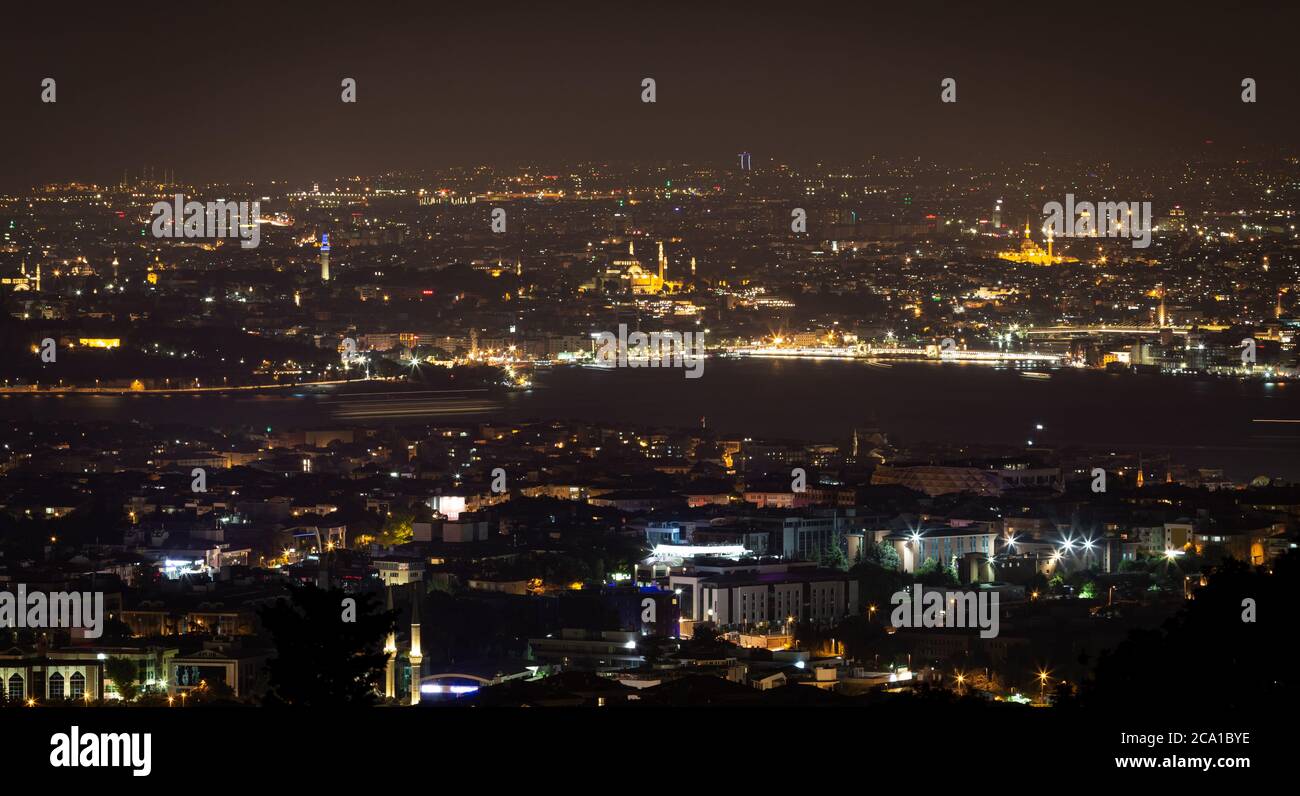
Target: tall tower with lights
pixel 390 651
pixel 325 257
pixel 417 657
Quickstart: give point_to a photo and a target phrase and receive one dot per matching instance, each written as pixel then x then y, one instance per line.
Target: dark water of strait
pixel 1204 422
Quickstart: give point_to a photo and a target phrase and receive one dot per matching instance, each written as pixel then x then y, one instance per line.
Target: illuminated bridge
pixel 1100 330
pixel 867 352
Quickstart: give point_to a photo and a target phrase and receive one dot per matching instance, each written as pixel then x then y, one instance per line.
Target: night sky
pixel 222 94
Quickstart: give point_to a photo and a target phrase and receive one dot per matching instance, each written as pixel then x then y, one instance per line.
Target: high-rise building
pixel 325 257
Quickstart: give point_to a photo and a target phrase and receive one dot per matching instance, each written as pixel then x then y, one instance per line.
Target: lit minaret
pixel 416 656
pixel 692 266
pixel 390 650
pixel 325 257
pixel 1160 313
pixel 38 277
pixel 663 266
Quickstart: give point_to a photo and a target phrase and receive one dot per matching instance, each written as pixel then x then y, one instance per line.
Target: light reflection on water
pixel 1202 422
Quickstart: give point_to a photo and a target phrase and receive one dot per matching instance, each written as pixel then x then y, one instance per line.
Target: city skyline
pixel 929 371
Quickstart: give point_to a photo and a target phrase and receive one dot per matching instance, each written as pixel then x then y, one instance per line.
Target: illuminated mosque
pixel 24 281
pixel 1031 252
pixel 628 273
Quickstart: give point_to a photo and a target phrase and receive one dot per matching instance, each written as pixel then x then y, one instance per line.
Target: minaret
pixel 416 655
pixel 390 650
pixel 1049 245
pixel 692 266
pixel 663 266
pixel 38 277
pixel 1160 313
pixel 631 249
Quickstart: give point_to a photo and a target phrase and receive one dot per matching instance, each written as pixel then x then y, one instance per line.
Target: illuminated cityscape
pixel 632 392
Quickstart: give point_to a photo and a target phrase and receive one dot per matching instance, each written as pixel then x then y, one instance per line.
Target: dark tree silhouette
pixel 320 659
pixel 1207 657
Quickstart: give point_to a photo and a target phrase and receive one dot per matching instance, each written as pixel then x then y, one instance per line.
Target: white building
pixel 738 594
